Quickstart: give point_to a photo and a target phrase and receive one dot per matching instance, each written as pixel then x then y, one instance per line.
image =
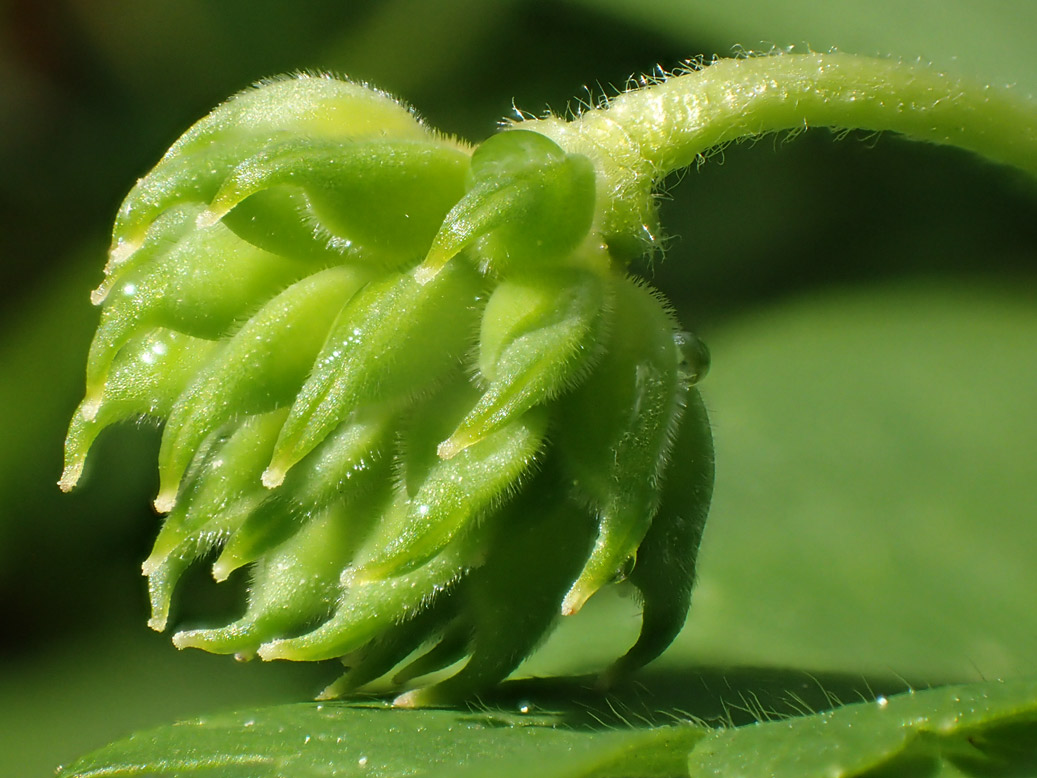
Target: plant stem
pixel 642 136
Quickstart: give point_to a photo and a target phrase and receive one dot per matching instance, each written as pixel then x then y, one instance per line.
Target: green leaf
pixel 977 729
pixel 311 740
pixel 873 510
pixel 982 729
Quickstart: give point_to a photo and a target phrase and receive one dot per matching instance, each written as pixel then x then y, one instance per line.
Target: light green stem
pixel 643 135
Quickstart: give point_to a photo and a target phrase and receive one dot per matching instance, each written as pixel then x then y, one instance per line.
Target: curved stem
pixel 641 136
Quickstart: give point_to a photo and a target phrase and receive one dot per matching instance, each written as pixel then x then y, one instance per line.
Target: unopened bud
pixel 406 384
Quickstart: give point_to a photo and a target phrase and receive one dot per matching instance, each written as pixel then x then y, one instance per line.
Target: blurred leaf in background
pixel 869 306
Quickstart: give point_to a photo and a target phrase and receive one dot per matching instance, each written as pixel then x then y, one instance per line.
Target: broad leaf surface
pixel 311 740
pixel 985 729
pixel 963 730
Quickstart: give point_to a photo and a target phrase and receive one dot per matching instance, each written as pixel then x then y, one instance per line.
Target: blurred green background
pixel 870 305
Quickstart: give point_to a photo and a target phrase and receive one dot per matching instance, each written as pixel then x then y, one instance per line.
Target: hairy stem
pixel 643 135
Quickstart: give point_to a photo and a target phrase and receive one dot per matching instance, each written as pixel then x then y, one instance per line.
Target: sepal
pixel 393 341
pixel 438 499
pixel 619 426
pixel 529 204
pixel 377 202
pixel 144 381
pixel 270 113
pixel 259 369
pixel 665 570
pixel 539 337
pixel 202 283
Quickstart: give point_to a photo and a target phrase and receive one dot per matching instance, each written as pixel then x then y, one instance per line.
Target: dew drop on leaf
pixel 695 357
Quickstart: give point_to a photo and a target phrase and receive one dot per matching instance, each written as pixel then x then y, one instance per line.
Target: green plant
pixel 337 194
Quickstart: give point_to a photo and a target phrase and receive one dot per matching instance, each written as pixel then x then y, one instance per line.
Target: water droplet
pixel 882 701
pixel 624 570
pixel 694 357
pixel 362 761
pixel 525 707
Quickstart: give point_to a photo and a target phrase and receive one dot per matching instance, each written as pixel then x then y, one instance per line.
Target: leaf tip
pixel 275 649
pixel 158 623
pixel 425 273
pixel 122 251
pixel 576 599
pixel 166 501
pixel 273 476
pixel 222 568
pixel 100 294
pixel 410 700
pixel 451 447
pixel 70 476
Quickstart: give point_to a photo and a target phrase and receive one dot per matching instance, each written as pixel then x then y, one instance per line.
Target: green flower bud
pixel 406 384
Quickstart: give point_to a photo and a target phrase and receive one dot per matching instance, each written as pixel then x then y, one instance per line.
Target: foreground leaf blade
pixel 976 729
pixel 310 740
pixel 954 730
